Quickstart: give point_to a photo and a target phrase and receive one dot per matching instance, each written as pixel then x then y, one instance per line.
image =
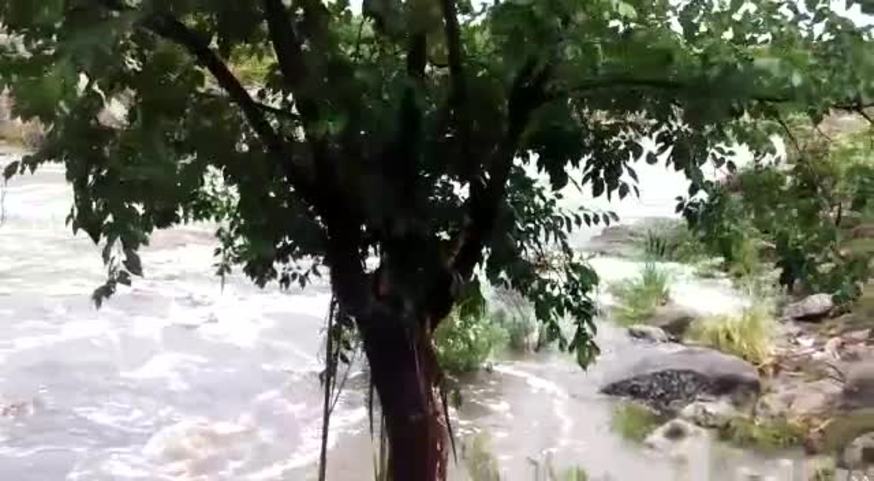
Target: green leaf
pixel 11 169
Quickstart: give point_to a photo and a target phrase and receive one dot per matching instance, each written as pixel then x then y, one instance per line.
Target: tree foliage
pixel 409 131
pixel 797 214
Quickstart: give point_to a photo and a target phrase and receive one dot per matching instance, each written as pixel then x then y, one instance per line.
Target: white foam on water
pixel 309 449
pixel 167 366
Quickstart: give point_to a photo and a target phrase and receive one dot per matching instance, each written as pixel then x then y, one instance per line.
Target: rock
pixel 858 391
pixel 811 308
pixel 673 319
pixel 648 333
pixel 863 231
pixel 625 240
pixel 710 414
pixel 807 400
pixel 671 435
pixel 859 335
pixel 859 454
pixel 668 381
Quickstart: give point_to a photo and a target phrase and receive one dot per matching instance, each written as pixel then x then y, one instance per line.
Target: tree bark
pixel 406 375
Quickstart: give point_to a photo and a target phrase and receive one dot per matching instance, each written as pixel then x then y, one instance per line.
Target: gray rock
pixel 671 435
pixel 668 381
pixel 626 240
pixel 811 399
pixel 674 319
pixel 710 414
pixel 811 308
pixel 858 389
pixel 648 333
pixel 859 454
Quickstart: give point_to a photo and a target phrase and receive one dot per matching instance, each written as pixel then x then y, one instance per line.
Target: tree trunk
pixel 404 370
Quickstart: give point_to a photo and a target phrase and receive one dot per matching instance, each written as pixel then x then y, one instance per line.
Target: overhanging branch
pixel 458 85
pixel 527 94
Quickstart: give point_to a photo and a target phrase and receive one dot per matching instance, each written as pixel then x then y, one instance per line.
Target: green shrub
pixel 638 298
pixel 465 340
pixel 251 67
pixel 634 422
pixel 522 330
pixel 673 242
pixel 479 459
pixel 767 435
pixel 748 336
pixel 792 218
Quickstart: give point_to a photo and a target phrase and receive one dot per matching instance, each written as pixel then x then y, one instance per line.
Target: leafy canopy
pixel 410 131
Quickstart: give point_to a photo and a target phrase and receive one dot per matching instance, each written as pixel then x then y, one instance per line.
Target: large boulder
pixel 858 391
pixel 672 437
pixel 811 308
pixel 670 380
pixel 674 319
pixel 859 454
pixel 648 333
pixel 805 401
pixel 710 414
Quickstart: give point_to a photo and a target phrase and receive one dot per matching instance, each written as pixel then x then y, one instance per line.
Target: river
pixel 177 378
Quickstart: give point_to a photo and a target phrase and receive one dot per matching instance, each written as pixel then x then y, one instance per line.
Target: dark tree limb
pixel 527 94
pixel 458 84
pixel 173 30
pixel 287 46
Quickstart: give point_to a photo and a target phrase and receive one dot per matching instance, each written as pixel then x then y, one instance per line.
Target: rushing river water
pixel 179 379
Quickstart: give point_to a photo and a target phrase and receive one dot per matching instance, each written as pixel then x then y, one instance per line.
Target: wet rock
pixel 669 436
pixel 625 240
pixel 859 454
pixel 859 335
pixel 710 414
pixel 806 400
pixel 648 333
pixel 858 391
pixel 674 319
pixel 668 381
pixel 811 308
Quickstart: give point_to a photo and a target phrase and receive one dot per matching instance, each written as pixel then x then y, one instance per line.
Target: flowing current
pixel 179 378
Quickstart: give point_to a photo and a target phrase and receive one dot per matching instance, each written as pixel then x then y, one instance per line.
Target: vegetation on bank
pixel 803 216
pixel 637 299
pixel 481 464
pixel 465 340
pixel 762 434
pixel 749 335
pixel 633 421
pixel 479 329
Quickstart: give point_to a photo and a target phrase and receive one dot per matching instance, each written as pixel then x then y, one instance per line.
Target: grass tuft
pixel 637 299
pixel 634 422
pixel 767 435
pixel 748 336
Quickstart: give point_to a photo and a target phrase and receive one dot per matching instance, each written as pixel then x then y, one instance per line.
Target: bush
pixel 637 299
pixel 465 340
pixel 516 316
pixel 673 242
pixel 634 422
pixel 251 67
pixel 794 217
pixel 748 336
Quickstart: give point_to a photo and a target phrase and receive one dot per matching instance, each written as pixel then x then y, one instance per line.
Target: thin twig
pixel 329 375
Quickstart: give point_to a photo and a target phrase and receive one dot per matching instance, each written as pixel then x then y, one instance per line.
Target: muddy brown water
pixel 179 379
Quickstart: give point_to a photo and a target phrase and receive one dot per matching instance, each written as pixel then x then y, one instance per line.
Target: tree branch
pixel 285 42
pixel 172 29
pixel 527 94
pixel 458 84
